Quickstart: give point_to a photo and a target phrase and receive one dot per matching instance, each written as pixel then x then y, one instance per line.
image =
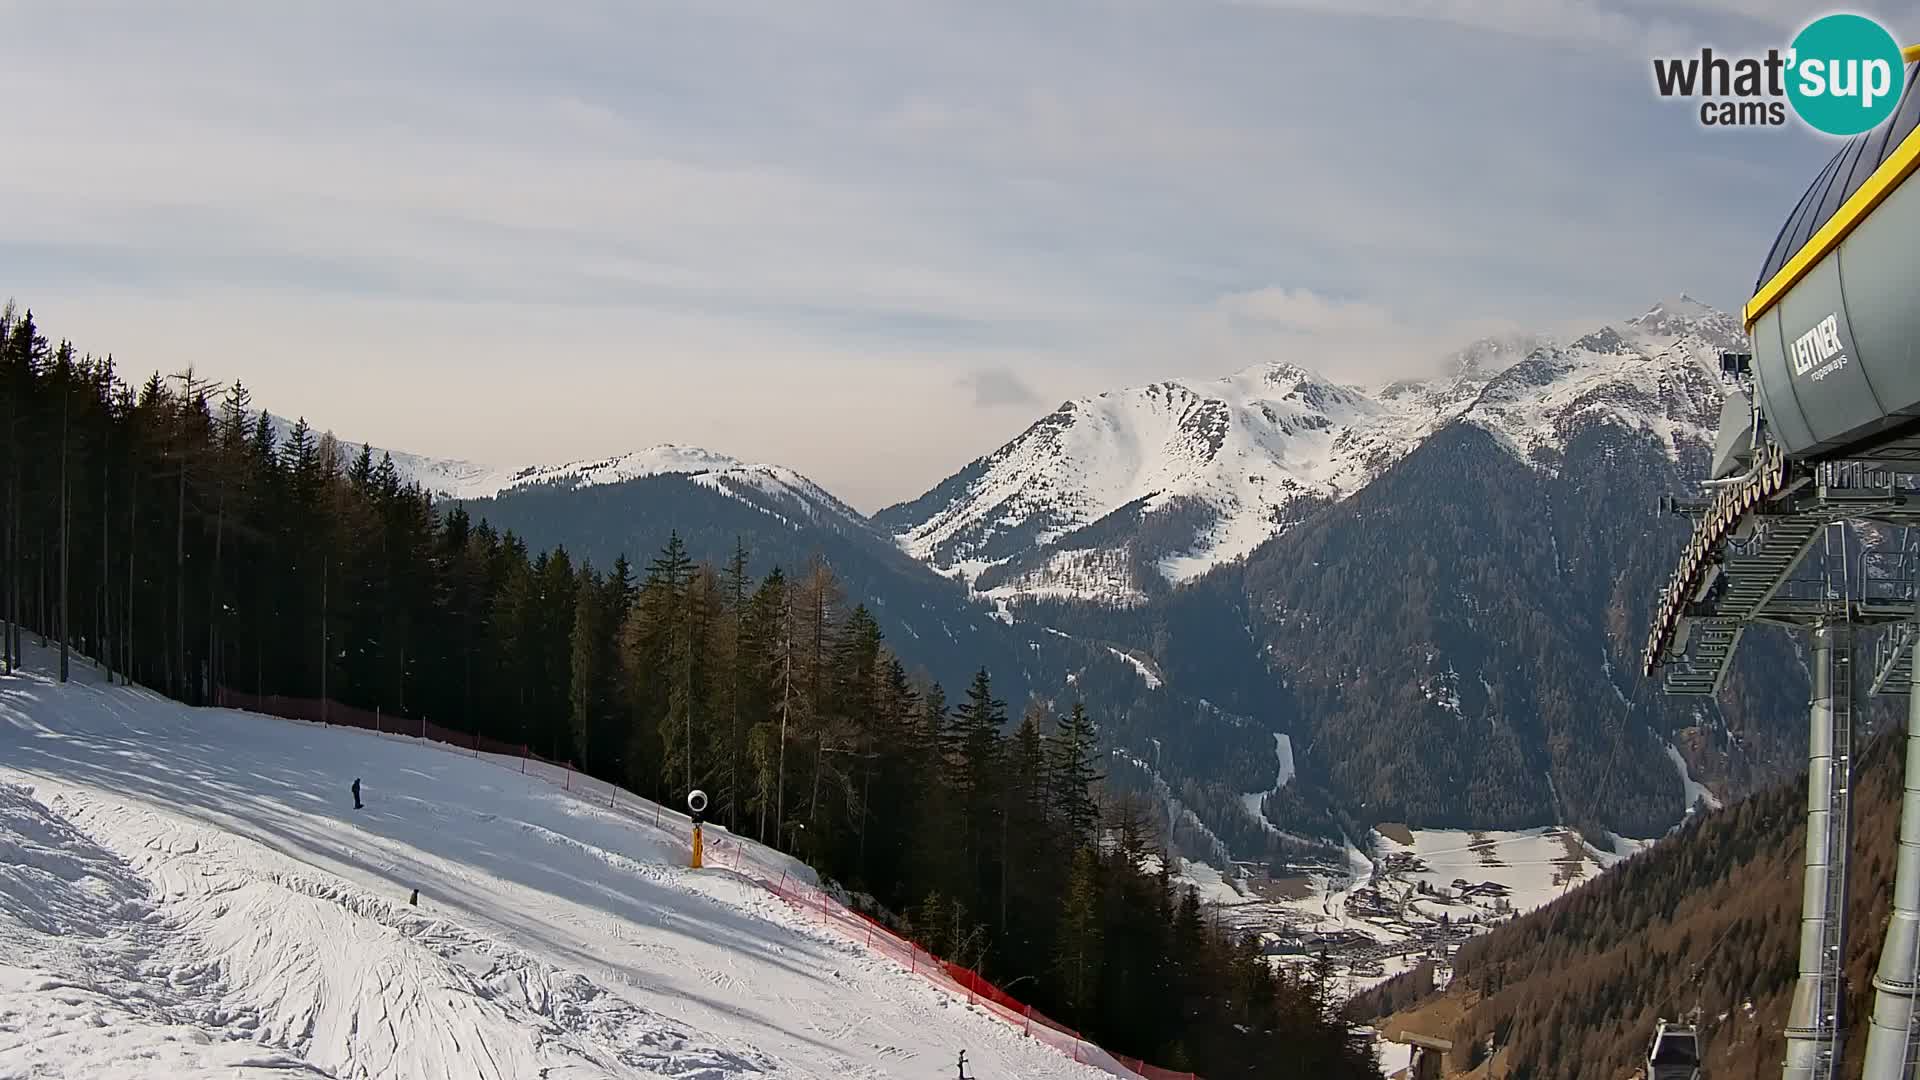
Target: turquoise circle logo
pixel 1846 74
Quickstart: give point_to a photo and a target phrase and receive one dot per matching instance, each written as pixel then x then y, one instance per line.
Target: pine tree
pixel 1078 959
pixel 591 641
pixel 1072 775
pixel 731 656
pixel 665 630
pixel 974 749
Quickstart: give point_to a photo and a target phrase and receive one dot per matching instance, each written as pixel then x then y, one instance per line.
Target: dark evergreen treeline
pixel 170 534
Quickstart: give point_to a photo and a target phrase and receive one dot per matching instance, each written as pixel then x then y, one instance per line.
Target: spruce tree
pixel 1077 960
pixel 1072 774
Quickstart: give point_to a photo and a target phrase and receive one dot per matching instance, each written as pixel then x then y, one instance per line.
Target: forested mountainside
pixel 1456 643
pixel 1447 639
pixel 930 621
pixel 168 535
pixel 1485 610
pixel 1452 644
pixel 1708 917
pixel 1197 759
pixel 1193 757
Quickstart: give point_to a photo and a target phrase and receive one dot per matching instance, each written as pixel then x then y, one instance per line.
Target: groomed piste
pixel 190 892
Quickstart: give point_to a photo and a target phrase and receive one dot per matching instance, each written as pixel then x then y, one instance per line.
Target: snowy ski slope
pixel 189 892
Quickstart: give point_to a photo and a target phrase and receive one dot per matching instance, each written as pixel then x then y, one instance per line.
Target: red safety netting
pixel 725 851
pixel 964 981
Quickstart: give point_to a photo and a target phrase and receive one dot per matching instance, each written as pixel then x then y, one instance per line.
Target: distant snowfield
pixel 188 892
pixel 1208 882
pixel 1536 864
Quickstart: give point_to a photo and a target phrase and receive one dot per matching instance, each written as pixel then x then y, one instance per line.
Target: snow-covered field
pixel 189 892
pixel 1396 902
pixel 1209 883
pixel 1535 864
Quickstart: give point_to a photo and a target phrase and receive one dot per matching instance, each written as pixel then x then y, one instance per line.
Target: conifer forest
pixel 169 531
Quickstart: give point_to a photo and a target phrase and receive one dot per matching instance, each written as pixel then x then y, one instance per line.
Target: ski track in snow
pixel 1146 673
pixel 188 892
pixel 1693 791
pixel 1283 750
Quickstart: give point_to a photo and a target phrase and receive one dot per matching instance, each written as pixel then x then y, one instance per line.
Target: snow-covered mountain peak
pixel 656 460
pixel 1215 463
pixel 1652 373
pixel 1464 373
pixel 1683 316
pixel 1489 356
pixel 782 487
pixel 1279 377
pixel 1179 476
pixel 788 489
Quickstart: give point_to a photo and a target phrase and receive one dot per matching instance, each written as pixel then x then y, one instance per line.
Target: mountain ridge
pixel 1116 497
pixel 1230 597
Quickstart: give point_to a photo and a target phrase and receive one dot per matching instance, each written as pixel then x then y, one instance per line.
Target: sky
pixel 869 240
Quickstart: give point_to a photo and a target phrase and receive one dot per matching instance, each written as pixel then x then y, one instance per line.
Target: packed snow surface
pixel 189 892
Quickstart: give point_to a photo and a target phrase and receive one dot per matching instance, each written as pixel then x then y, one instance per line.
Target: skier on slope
pixel 356 793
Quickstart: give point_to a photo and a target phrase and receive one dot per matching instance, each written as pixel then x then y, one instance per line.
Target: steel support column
pixel 1891 1040
pixel 1814 1023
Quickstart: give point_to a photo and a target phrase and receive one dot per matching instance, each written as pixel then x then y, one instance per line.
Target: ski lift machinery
pixel 1820 434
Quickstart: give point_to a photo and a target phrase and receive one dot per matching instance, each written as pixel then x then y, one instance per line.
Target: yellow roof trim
pixel 1881 184
pixel 1910 53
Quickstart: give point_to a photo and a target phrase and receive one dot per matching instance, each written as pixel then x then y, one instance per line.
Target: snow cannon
pixel 1833 322
pixel 697 806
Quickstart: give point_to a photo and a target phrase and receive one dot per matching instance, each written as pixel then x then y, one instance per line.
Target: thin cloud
pixel 748 227
pixel 1305 310
pixel 998 387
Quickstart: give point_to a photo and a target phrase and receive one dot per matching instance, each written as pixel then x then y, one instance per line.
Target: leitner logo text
pixel 1819 348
